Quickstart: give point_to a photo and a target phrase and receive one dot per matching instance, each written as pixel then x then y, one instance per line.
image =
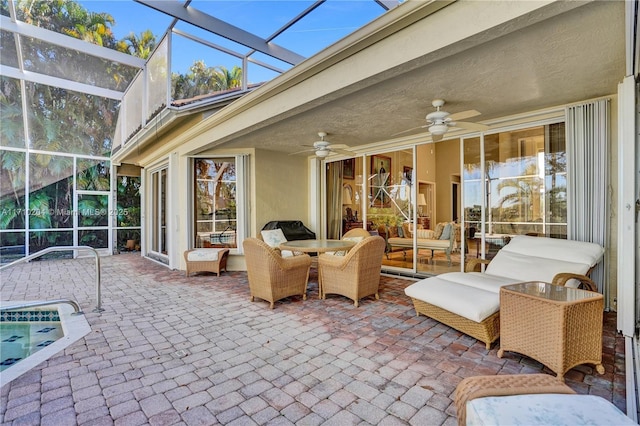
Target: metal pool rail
pixel 26 305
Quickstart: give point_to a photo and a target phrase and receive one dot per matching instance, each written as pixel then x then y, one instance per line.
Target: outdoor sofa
pixel 470 301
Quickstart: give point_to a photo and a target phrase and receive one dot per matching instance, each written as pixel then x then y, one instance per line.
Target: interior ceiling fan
pixel 323 148
pixel 439 121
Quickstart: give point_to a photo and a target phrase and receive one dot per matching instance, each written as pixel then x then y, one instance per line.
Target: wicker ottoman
pixel 502 385
pixel 206 260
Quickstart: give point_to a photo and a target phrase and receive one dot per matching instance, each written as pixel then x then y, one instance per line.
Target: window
pixel 215 198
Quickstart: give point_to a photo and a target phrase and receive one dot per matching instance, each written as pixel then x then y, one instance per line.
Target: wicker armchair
pixel 357 232
pixel 355 275
pixel 273 277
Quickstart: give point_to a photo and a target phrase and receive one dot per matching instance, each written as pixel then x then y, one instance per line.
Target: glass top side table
pixel 560 327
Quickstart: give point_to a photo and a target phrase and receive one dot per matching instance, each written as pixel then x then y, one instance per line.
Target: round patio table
pixel 316 246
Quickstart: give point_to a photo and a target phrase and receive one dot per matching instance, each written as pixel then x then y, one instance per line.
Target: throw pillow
pixel 407 230
pixel 273 238
pixel 400 232
pixel 438 231
pixel 446 232
pixel 392 231
pixel 425 234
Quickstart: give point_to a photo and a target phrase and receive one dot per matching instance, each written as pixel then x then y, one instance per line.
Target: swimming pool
pixel 33 335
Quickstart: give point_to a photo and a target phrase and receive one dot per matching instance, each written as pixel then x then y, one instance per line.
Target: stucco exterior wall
pixel 281 188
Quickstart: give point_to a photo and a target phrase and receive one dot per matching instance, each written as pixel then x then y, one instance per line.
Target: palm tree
pixel 140 46
pixel 202 80
pixel 522 195
pixel 228 79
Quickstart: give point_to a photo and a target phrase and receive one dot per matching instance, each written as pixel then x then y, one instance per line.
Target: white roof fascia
pixel 68 42
pixel 60 82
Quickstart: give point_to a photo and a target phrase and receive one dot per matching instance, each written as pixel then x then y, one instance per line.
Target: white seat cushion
pixel 476 305
pixel 479 280
pixel 204 255
pixel 544 409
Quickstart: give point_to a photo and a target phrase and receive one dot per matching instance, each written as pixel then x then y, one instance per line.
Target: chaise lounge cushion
pixel 540 259
pixel 481 293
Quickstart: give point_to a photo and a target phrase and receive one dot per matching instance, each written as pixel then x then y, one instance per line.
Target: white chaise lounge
pixel 470 301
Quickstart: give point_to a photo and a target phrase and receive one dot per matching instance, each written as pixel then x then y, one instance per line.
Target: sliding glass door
pixel 158 222
pixel 514 183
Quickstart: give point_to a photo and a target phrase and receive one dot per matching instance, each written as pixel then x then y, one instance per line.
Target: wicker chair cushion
pixel 544 409
pixel 275 237
pixel 204 255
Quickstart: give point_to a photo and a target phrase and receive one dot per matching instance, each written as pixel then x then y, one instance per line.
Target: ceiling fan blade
pixel 304 150
pixel 409 130
pixel 463 115
pixel 470 126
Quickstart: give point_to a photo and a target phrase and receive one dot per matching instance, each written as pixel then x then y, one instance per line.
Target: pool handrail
pixel 66 248
pixel 36 304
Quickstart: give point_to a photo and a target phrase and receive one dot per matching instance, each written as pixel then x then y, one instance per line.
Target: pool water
pixel 24 333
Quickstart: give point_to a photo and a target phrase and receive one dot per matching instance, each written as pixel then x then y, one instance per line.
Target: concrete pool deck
pixel 173 350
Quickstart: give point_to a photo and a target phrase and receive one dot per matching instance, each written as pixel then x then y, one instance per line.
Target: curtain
pixel 334 200
pixel 587 178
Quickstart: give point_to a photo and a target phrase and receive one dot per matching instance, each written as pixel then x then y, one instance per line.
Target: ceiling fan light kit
pixel 438 129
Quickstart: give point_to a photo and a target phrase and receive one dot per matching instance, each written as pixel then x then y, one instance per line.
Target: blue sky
pixel 332 21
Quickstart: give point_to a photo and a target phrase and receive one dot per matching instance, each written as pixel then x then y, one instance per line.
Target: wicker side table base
pixel 502 385
pixel 557 326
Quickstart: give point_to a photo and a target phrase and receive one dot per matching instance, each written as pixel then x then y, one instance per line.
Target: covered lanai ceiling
pixel 565 52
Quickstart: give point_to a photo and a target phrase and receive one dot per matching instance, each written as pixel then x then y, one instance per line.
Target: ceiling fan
pixel 323 148
pixel 439 121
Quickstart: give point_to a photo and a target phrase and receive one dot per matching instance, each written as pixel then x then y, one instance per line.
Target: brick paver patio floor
pixel 194 351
